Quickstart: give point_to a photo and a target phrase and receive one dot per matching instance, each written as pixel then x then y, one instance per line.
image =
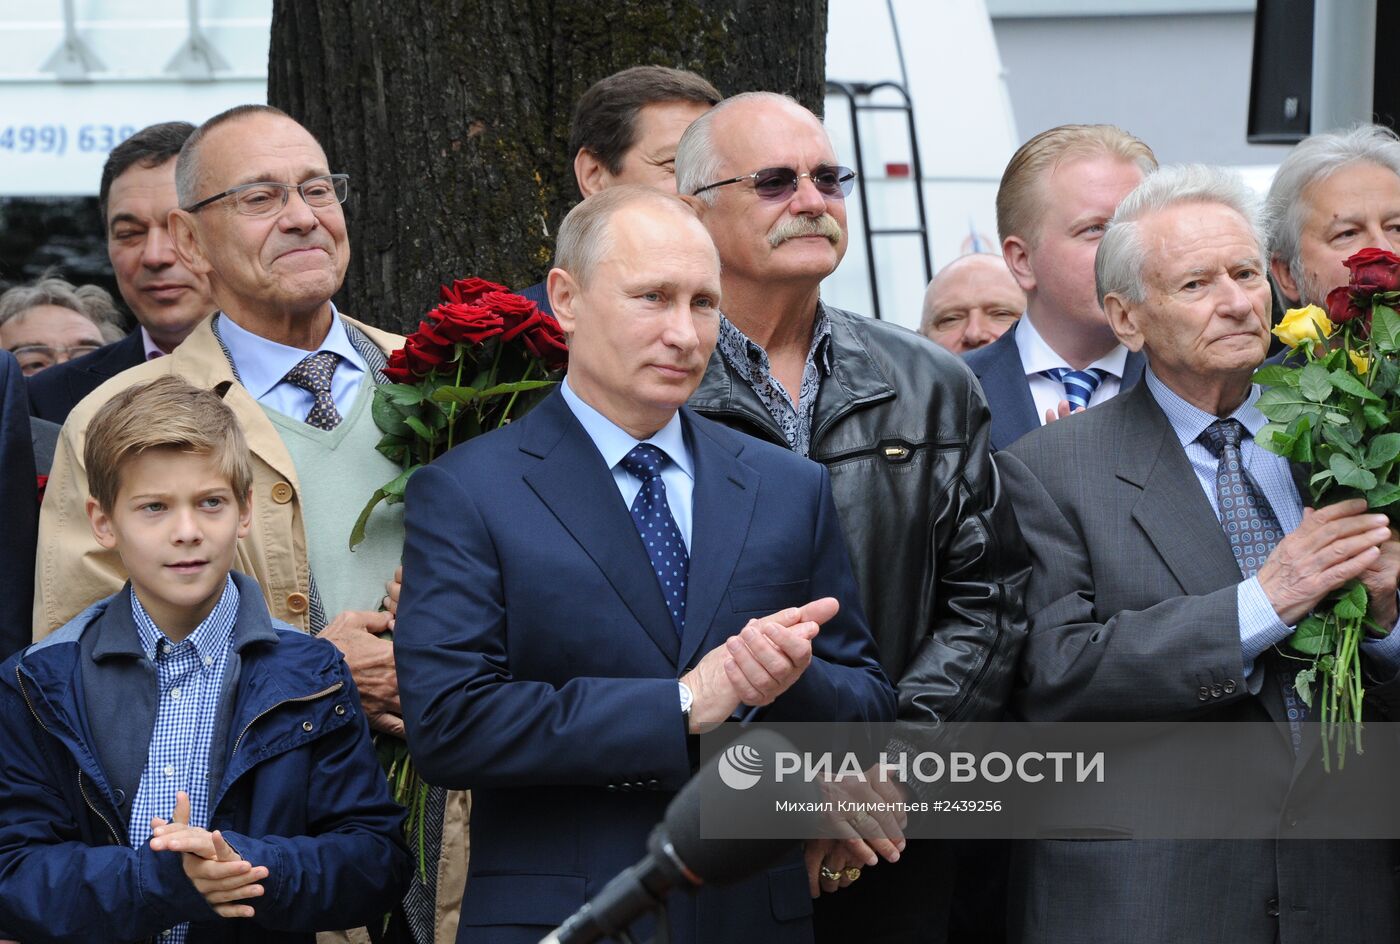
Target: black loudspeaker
pixel 1289 50
pixel 1386 104
pixel 1280 83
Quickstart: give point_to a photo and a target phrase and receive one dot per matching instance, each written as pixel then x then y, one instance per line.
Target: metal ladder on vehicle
pixel 857 95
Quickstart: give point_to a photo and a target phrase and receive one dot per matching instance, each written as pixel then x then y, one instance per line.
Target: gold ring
pixel 831 875
pixel 852 873
pixel 860 817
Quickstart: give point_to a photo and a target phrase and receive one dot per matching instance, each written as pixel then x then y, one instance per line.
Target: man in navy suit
pixel 557 652
pixel 19 510
pixel 136 195
pixel 1056 196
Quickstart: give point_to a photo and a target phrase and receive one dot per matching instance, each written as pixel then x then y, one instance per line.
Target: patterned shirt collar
pixel 750 362
pixel 1188 421
pixel 209 638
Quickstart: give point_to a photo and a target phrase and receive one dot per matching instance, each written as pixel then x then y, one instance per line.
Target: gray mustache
pixel 794 226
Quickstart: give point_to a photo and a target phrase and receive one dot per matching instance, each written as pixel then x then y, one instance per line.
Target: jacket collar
pixel 116 627
pixel 855 380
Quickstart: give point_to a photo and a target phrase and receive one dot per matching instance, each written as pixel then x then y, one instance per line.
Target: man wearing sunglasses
pixel 903 430
pixel 261 219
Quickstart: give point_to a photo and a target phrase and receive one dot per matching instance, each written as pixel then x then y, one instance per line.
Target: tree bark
pixel 452 116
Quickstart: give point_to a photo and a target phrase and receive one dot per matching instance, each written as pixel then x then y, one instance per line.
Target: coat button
pixel 1229 686
pixel 1203 694
pixel 340 709
pixel 281 493
pixel 307 725
pixel 297 602
pixel 1216 691
pixel 1271 907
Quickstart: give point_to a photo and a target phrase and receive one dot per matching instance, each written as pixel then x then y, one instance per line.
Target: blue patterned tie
pixel 1079 384
pixel 659 533
pixel 313 374
pixel 1253 531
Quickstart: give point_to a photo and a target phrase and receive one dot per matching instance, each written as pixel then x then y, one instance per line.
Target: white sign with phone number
pixel 54 138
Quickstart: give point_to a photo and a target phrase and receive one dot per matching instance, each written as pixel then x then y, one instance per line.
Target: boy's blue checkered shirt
pixel 189 679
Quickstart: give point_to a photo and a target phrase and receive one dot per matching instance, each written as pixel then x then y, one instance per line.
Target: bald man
pixel 971 302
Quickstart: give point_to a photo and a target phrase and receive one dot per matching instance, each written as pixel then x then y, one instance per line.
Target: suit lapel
pixel 1172 509
pixel 725 492
pixel 1008 393
pixel 572 480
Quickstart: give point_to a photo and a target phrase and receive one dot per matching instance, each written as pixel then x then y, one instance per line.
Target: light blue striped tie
pixel 1079 384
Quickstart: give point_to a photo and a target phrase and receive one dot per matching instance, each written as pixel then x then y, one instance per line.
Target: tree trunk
pixel 452 116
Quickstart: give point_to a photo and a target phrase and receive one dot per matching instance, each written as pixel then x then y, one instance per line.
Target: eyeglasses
pixel 780 183
pixel 35 357
pixel 267 197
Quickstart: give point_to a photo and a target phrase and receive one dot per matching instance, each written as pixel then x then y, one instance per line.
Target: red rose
pixel 545 341
pixel 1374 270
pixel 1342 306
pixel 467 291
pixel 397 369
pixel 470 324
pixel 423 357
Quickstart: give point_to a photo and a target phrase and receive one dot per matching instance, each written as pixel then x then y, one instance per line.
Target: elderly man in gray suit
pixel 1142 608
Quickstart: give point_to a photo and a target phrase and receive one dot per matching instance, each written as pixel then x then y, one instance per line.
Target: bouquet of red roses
pixel 1338 415
pixel 478 360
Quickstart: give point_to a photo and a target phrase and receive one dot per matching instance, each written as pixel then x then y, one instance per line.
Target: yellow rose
pixel 1362 364
pixel 1299 324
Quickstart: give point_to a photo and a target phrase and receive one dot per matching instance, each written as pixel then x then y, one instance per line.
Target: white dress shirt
pixel 262 364
pixel 1037 356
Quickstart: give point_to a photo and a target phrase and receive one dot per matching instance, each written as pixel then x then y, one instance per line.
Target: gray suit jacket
pixel 1132 603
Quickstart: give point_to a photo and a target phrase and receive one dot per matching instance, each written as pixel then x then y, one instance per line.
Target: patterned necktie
pixel 314 375
pixel 1079 384
pixel 1253 531
pixel 652 515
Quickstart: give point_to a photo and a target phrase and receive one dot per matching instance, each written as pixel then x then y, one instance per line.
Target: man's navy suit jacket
pixel 19 510
pixel 539 294
pixel 1003 378
pixel 538 662
pixel 54 392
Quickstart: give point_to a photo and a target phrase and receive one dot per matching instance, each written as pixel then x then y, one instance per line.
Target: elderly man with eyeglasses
pixel 903 429
pixel 261 219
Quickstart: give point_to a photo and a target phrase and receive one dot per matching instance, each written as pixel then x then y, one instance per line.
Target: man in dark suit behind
pixel 556 653
pixel 136 195
pixel 1057 192
pixel 19 510
pixel 1142 609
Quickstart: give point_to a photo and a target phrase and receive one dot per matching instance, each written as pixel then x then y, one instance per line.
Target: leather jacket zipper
pixel 286 701
pixel 24 692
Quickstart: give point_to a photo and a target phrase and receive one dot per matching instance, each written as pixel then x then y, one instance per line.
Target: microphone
pixel 678 857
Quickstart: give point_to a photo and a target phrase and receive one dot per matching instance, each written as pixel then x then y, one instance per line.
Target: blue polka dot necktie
pixel 314 375
pixel 1253 531
pixel 662 538
pixel 1079 384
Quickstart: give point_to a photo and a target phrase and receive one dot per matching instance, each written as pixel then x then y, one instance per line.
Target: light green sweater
pixel 339 470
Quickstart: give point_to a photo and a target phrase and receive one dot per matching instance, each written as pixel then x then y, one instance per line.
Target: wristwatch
pixel 687 699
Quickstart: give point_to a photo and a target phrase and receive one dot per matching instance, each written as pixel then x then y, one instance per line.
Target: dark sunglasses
pixel 780 183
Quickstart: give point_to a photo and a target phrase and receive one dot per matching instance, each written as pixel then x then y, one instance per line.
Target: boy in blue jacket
pixel 174 763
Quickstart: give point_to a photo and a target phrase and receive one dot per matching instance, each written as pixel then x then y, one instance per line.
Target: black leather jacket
pixel 903 429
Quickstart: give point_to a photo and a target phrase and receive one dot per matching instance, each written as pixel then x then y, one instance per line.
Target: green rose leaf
pixel 402 394
pixel 1284 404
pixel 1277 438
pixel 1353 605
pixel 1385 329
pixel 415 424
pixel 520 386
pixel 1347 383
pixel 1375 416
pixel 1303 683
pixel 1384 448
pixel 462 396
pixel 1313 383
pixel 1312 637
pixel 1349 472
pixel 387 416
pixel 1276 375
pixel 1386 493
